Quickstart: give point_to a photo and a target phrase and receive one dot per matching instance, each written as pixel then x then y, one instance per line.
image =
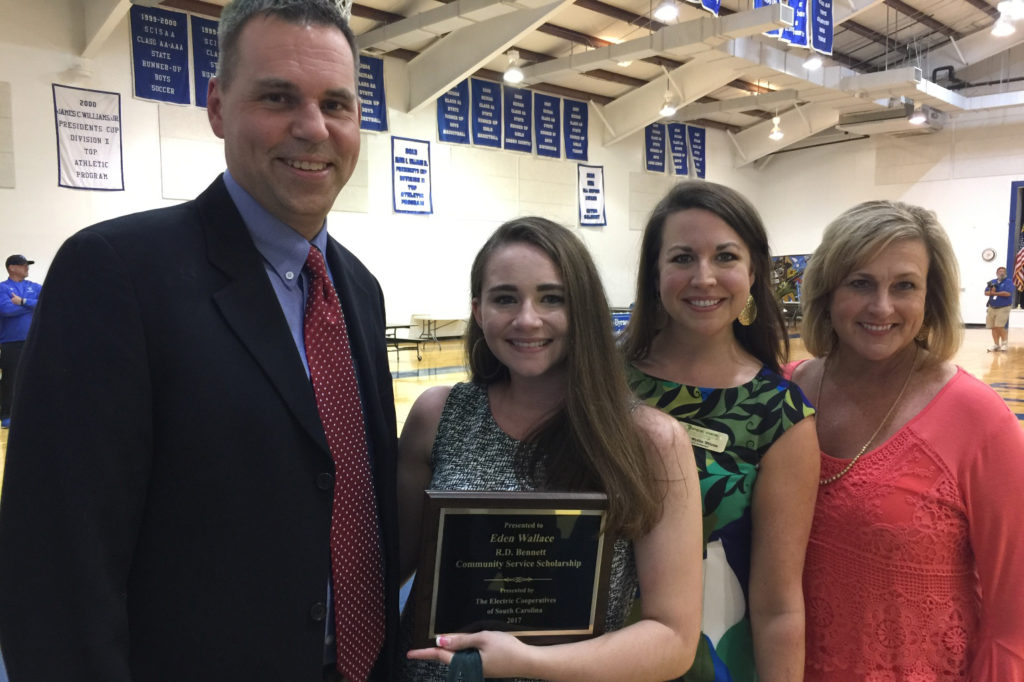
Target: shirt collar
pixel 284 249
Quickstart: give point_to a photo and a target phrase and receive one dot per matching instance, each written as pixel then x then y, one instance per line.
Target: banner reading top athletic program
pixel 88 126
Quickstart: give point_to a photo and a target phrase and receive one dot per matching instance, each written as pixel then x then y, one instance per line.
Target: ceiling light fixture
pixel 776 134
pixel 919 117
pixel 666 11
pixel 813 63
pixel 1011 10
pixel 1002 27
pixel 668 107
pixel 513 74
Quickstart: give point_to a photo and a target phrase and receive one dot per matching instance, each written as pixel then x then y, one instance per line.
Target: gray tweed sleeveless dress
pixel 471 452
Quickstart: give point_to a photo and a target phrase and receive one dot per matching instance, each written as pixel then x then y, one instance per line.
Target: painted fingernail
pixel 443 641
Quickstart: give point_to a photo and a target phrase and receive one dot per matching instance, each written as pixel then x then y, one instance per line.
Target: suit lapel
pixel 249 306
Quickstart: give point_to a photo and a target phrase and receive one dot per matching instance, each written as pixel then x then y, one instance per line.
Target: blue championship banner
pixel 410 173
pixel 205 53
pixel 696 137
pixel 654 147
pixel 677 143
pixel 591 191
pixel 821 26
pixel 711 5
pixel 797 33
pixel 547 124
pixel 371 94
pixel 518 115
pixel 453 114
pixel 486 107
pixel 577 142
pixel 160 54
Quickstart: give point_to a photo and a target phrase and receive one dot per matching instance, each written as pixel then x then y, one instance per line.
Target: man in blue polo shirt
pixel 997 318
pixel 18 298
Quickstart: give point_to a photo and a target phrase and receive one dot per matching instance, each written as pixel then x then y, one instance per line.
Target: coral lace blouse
pixel 915 566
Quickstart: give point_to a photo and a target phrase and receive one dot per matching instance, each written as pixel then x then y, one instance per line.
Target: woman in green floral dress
pixel 705 344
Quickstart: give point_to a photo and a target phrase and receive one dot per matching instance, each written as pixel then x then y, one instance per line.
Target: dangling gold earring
pixel 749 312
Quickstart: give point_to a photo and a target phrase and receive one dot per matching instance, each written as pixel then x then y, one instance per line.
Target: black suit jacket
pixel 166 506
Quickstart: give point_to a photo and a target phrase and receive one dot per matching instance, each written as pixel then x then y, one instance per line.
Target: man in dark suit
pixel 167 505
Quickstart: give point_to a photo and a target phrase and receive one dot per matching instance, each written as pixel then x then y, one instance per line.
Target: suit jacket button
pixel 325 481
pixel 318 612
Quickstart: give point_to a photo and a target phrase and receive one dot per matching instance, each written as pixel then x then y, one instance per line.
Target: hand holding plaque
pixel 534 565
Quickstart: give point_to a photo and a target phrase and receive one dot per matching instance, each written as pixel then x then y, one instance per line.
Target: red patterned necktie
pixel 355 546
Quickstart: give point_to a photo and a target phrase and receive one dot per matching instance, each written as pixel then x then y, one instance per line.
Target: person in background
pixel 915 556
pixel 704 344
pixel 200 482
pixel 18 298
pixel 547 408
pixel 997 310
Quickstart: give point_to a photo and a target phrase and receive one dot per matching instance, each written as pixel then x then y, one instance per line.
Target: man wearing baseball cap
pixel 18 297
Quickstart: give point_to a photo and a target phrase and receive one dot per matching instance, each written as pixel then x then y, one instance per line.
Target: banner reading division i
pixel 88 138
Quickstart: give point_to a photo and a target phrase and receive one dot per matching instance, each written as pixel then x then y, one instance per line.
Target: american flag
pixel 1018 264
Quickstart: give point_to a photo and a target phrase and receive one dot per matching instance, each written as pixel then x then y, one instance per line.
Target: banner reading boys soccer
pixel 88 138
pixel 160 54
pixel 205 53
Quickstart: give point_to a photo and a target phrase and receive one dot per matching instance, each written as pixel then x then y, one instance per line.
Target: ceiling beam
pixel 197 6
pixel 922 18
pixel 775 100
pixel 752 143
pixel 101 17
pixel 639 108
pixel 984 7
pixel 690 38
pixel 432 23
pixel 620 14
pixel 457 55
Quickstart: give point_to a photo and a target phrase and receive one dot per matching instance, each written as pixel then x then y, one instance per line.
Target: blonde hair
pixel 859 235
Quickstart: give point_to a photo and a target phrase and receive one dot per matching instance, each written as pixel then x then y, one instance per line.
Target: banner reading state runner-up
pixel 547 122
pixel 486 111
pixel 372 95
pixel 654 147
pixel 160 54
pixel 453 114
pixel 205 53
pixel 518 128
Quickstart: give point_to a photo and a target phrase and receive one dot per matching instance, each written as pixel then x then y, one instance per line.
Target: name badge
pixel 708 439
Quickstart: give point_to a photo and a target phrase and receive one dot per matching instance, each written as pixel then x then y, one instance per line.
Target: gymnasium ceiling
pixel 721 71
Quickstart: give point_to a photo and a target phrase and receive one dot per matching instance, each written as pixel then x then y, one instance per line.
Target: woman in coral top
pixel 915 557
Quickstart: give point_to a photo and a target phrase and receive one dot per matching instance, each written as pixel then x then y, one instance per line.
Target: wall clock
pixel 988 254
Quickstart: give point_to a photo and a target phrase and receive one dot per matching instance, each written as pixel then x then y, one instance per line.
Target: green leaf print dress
pixel 731 429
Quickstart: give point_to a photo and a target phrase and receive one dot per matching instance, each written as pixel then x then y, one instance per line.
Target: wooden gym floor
pixel 443 364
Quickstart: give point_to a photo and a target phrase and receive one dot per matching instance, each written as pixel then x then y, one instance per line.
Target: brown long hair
pixel 591 443
pixel 765 339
